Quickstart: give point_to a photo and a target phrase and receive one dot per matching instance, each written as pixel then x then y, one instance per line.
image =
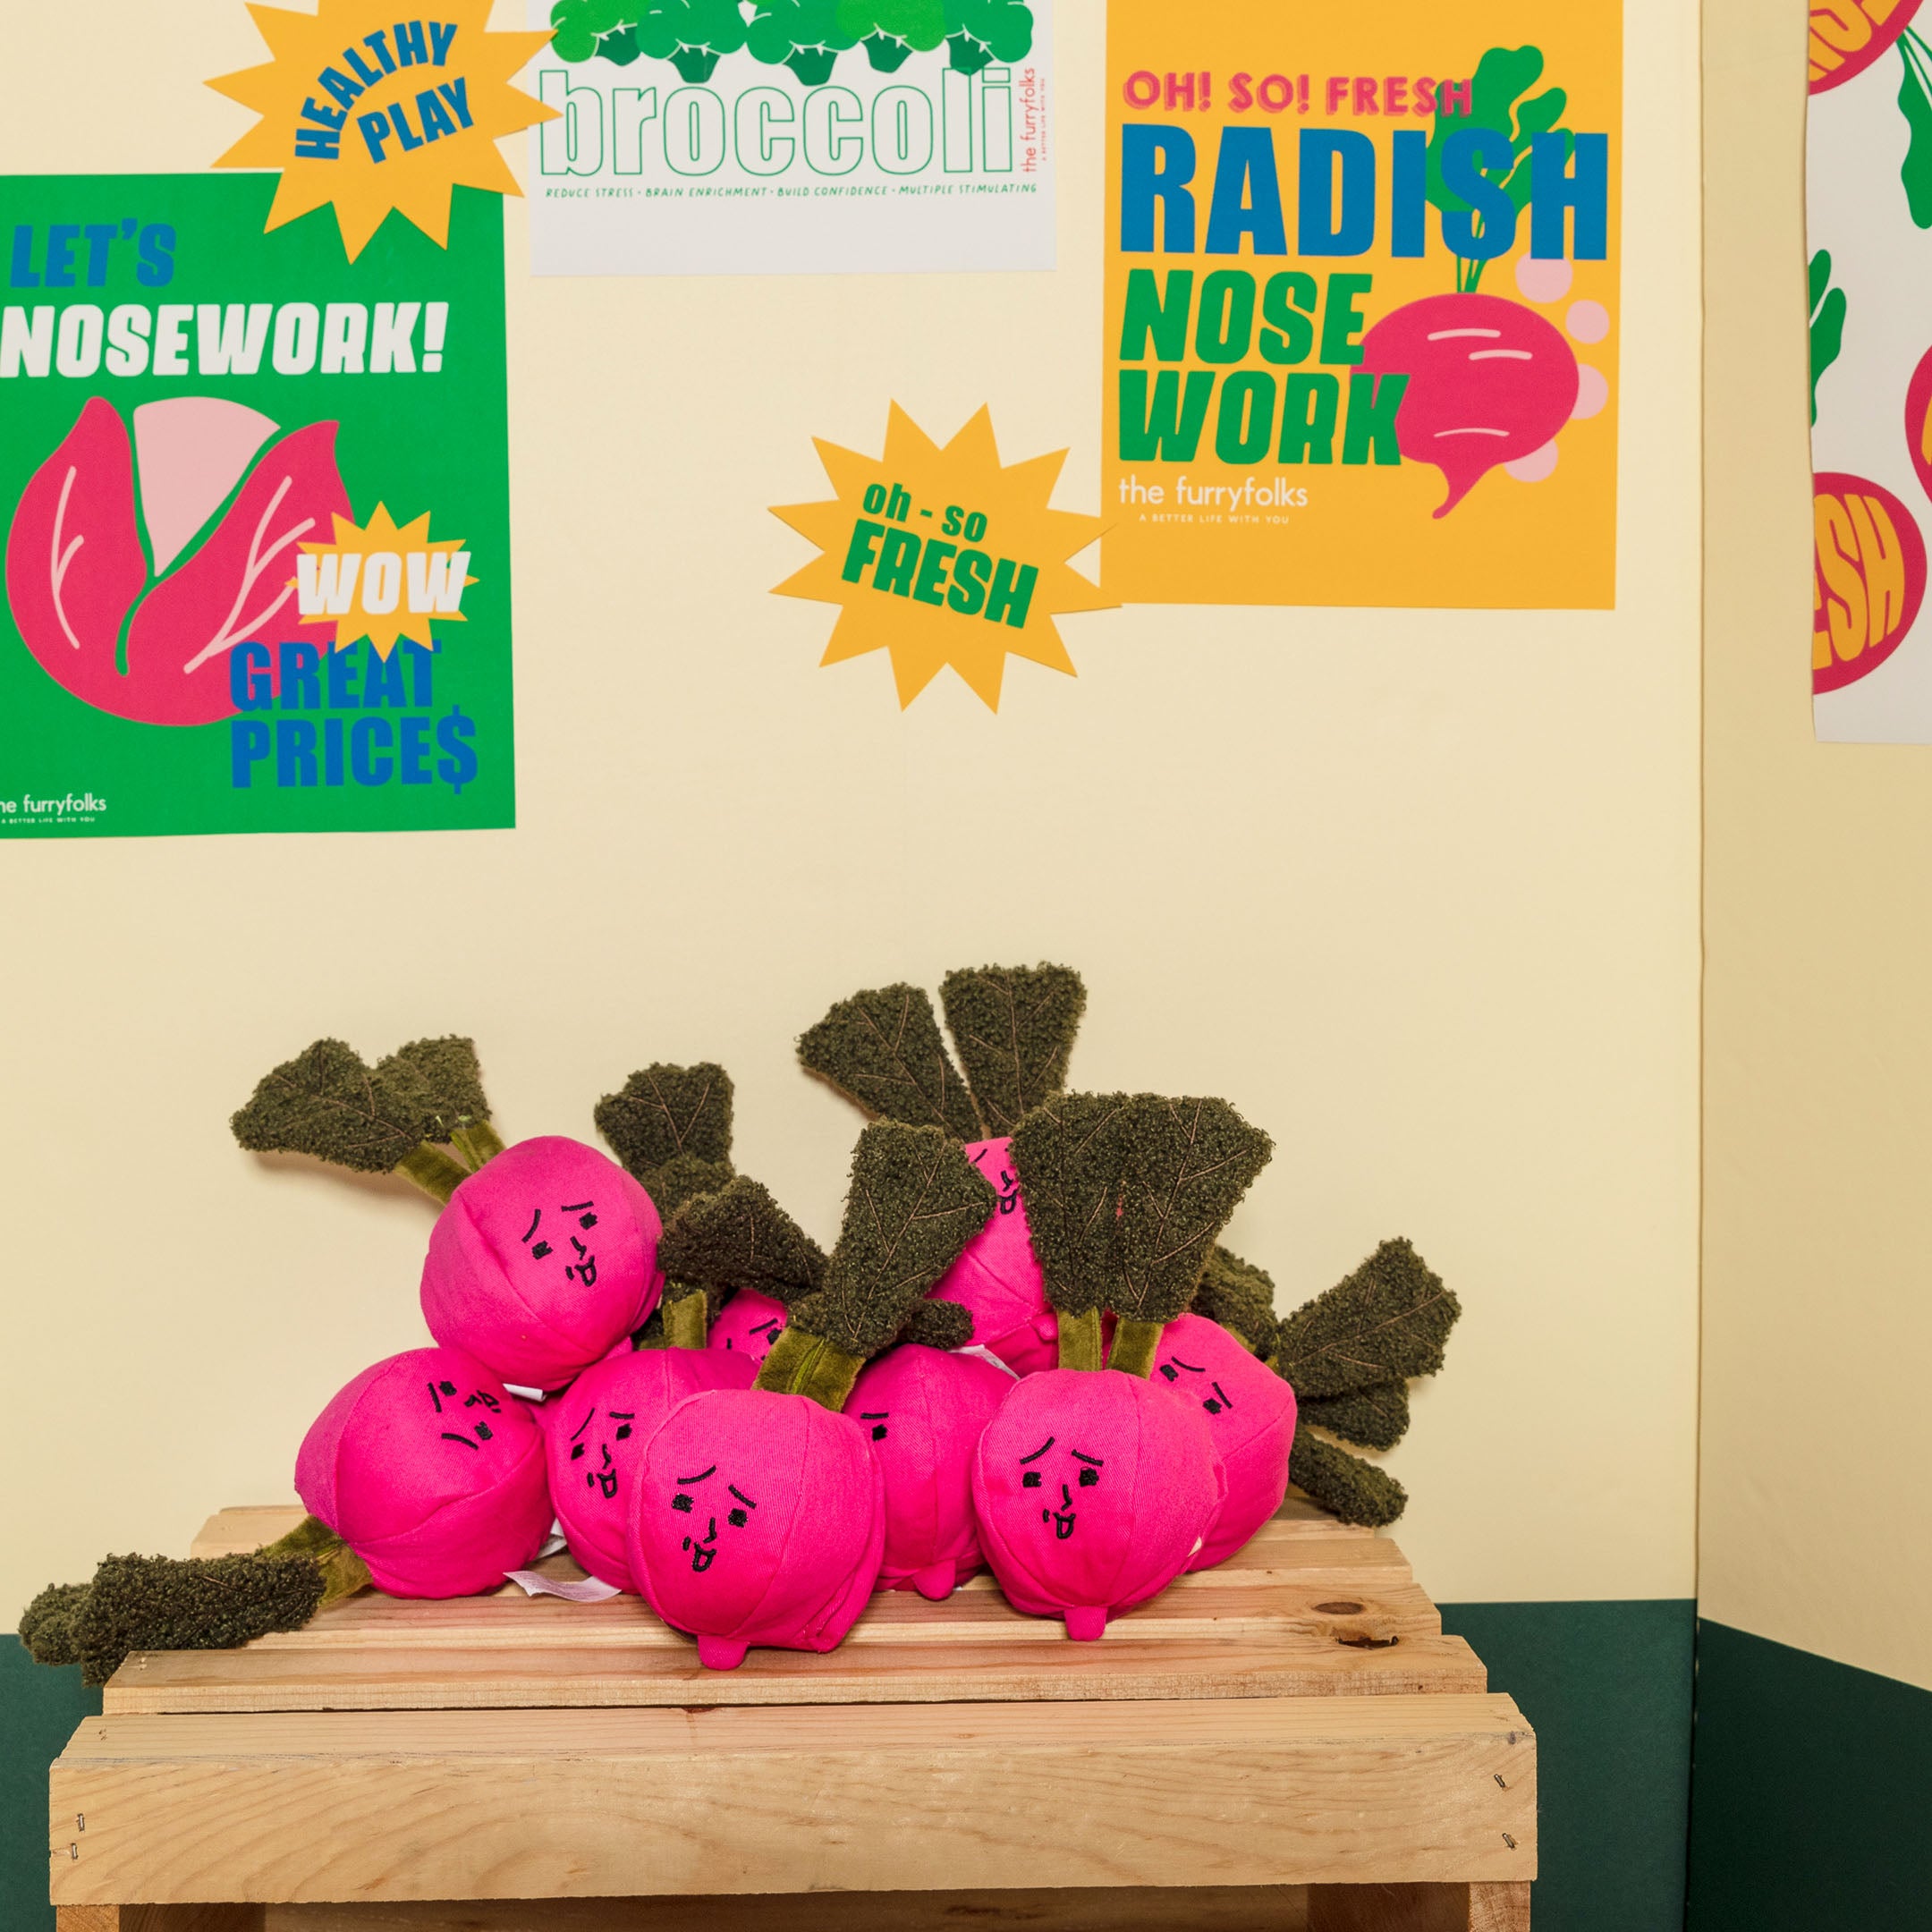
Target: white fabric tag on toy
pixel 986 1354
pixel 588 1591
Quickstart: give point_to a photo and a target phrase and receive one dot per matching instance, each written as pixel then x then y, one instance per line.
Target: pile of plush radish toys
pixel 1025 1350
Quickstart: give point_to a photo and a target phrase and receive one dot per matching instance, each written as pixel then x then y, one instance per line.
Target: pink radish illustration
pixel 1490 382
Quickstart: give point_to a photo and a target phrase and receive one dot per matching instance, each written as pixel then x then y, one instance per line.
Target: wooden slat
pixel 159 1918
pixel 1418 1907
pixel 413 1679
pixel 293 1807
pixel 1170 1909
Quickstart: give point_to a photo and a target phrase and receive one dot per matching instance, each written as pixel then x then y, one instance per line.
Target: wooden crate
pixel 1288 1740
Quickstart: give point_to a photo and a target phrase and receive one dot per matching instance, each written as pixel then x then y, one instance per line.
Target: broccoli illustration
pixel 691 34
pixel 582 28
pixel 891 29
pixel 803 35
pixel 979 32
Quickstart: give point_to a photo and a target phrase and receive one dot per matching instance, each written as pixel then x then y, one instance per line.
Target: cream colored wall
pixel 1419 891
pixel 1817 1249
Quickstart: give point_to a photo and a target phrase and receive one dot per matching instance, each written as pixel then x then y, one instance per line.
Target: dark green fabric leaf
pixel 1070 1155
pixel 662 1112
pixel 162 1603
pixel 1015 1028
pixel 1376 1416
pixel 916 1200
pixel 742 1238
pixel 1189 1163
pixel 1237 1295
pixel 440 1081
pixel 1386 1321
pixel 681 1179
pixel 884 1048
pixel 941 1324
pixel 326 1103
pixel 1343 1485
pixel 46 1624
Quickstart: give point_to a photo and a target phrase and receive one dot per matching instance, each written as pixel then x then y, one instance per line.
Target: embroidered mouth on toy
pixel 1088 1477
pixel 704 1550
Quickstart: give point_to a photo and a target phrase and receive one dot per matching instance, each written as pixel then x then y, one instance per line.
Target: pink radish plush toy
pixel 997 1281
pixel 1251 1416
pixel 758 1516
pixel 544 1259
pixel 1093 1494
pixel 1093 1489
pixel 924 1410
pixel 747 1325
pixel 598 1431
pixel 431 1472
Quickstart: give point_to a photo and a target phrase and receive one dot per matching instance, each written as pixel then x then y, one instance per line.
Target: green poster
pixel 257 501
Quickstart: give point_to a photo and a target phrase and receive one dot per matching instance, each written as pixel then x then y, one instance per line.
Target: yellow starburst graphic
pixel 387 582
pixel 372 107
pixel 942 556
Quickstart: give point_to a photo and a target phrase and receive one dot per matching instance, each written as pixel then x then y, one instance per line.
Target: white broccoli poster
pixel 793 137
pixel 1868 196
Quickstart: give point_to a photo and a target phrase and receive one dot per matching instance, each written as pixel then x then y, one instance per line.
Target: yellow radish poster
pixel 1361 304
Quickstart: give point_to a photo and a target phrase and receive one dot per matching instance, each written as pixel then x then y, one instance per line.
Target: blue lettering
pixel 370 735
pixel 302 687
pixel 1319 230
pixel 1587 192
pixel 1143 184
pixel 248 745
pixel 1464 154
pixel 1247 195
pixel 249 682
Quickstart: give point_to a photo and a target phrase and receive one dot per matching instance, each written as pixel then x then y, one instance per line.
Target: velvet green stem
pixel 1079 1340
pixel 1134 1343
pixel 433 1170
pixel 686 1316
pixel 804 1364
pixel 344 1573
pixel 477 1143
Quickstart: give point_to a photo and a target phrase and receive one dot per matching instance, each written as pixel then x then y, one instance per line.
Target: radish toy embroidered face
pixel 431 1472
pixel 756 1518
pixel 598 1431
pixel 1250 1413
pixel 542 1261
pixel 998 1280
pixel 759 1515
pixel 1092 1492
pixel 924 1411
pixel 747 1325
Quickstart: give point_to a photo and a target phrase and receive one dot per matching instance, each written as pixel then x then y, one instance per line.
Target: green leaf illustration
pixel 1503 77
pixel 1827 320
pixel 1915 101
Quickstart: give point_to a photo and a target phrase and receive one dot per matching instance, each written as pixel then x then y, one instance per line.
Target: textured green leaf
pixel 1070 1155
pixel 1345 1486
pixel 742 1238
pixel 884 1048
pixel 1239 1296
pixel 327 1102
pixel 1189 1163
pixel 662 1112
pixel 1015 1028
pixel 1376 1416
pixel 440 1081
pixel 164 1603
pixel 47 1624
pixel 916 1200
pixel 1386 1321
pixel 684 1179
pixel 941 1324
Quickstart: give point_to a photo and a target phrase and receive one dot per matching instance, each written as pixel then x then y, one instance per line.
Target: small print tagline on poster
pixel 802 137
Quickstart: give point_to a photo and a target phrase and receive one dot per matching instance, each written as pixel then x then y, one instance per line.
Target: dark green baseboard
pixel 1813 1794
pixel 39 1709
pixel 1607 1687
